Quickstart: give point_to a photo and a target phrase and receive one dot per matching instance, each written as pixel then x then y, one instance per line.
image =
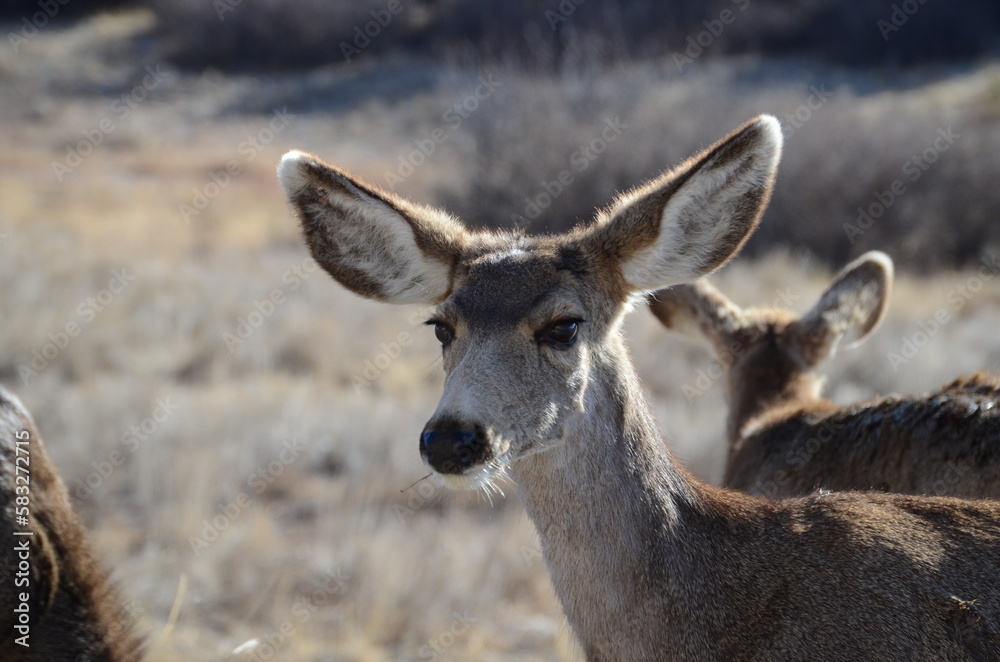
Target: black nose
pixel 451 447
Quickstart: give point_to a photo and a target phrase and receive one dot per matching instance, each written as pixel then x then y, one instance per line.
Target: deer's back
pixel 851 576
pixel 945 443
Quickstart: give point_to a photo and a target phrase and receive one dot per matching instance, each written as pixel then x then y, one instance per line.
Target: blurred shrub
pixel 559 34
pixel 904 32
pixel 267 35
pixel 854 32
pixel 861 173
pixel 873 177
pixel 18 10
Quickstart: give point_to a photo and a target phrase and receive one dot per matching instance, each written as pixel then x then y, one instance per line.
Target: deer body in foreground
pixel 52 587
pixel 786 440
pixel 648 562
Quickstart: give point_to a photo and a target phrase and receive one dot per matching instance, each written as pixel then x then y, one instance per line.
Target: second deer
pixel 787 440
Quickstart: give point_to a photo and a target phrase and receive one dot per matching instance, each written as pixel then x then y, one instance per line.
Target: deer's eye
pixel 561 334
pixel 443 332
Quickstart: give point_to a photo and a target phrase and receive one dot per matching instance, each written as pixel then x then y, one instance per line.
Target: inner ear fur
pixel 682 225
pixel 852 307
pixel 371 241
pixel 693 219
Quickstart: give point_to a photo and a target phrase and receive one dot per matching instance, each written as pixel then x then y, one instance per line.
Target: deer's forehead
pixel 760 325
pixel 506 288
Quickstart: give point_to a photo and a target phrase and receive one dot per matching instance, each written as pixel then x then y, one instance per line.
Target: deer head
pixel 772 355
pixel 526 323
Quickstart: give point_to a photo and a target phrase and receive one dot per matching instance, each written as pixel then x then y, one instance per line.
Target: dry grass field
pixel 239 433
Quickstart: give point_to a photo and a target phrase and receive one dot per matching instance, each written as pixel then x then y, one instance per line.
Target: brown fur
pixel 649 563
pixel 75 612
pixel 786 440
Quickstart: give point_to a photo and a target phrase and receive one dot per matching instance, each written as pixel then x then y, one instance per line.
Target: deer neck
pixel 754 393
pixel 607 503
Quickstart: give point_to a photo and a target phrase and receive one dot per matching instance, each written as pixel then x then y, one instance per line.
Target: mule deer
pixel 785 440
pixel 56 603
pixel 648 562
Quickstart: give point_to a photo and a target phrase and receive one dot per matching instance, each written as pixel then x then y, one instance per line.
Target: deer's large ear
pixel 853 306
pixel 691 220
pixel 699 311
pixel 372 242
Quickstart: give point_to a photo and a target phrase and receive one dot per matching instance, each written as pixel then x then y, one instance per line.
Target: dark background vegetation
pixel 570 66
pixel 577 64
pixel 273 35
